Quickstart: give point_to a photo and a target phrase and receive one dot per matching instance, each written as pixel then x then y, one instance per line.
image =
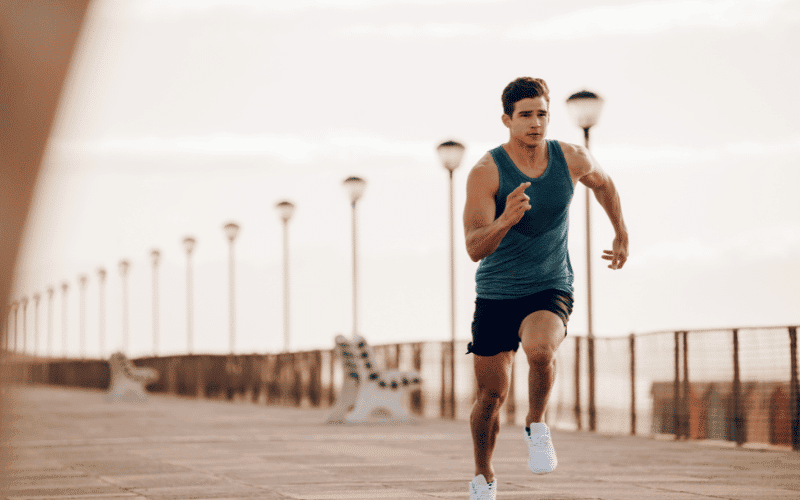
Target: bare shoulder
pixel 579 159
pixel 484 177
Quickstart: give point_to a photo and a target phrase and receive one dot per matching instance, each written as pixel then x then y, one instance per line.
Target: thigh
pixel 541 333
pixel 493 373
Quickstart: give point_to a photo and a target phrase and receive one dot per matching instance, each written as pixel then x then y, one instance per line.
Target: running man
pixel 516 225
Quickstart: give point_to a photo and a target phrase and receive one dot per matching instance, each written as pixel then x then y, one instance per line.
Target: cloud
pixel 171 8
pixel 625 155
pixel 407 30
pixel 761 243
pixel 290 149
pixel 652 17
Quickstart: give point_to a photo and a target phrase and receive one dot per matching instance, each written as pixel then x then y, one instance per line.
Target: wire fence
pixel 738 385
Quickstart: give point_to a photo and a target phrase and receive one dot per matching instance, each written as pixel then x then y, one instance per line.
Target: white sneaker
pixel 479 489
pixel 541 454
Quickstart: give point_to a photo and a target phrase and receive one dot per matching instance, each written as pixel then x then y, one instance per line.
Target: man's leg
pixel 541 333
pixel 493 374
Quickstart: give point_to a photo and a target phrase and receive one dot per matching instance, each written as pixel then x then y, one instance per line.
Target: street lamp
pixel 124 265
pixel 584 108
pixel 82 315
pixel 231 231
pixel 188 245
pixel 36 298
pixel 50 292
pixel 64 335
pixel 155 255
pixel 24 302
pixel 355 188
pixel 12 344
pixel 101 311
pixel 451 153
pixel 285 210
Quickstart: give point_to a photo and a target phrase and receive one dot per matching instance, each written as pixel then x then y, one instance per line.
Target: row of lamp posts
pixel 584 107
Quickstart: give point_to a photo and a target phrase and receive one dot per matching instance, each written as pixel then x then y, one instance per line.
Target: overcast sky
pixel 182 115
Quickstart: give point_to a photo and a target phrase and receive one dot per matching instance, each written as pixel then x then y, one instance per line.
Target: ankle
pixel 489 476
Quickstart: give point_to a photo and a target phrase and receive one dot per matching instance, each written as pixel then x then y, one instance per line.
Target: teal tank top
pixel 533 255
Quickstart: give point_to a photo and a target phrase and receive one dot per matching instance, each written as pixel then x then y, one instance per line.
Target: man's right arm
pixel 482 231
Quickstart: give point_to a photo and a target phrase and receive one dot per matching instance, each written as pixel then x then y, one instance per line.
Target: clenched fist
pixel 517 203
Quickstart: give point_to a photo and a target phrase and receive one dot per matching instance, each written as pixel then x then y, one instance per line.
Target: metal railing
pixel 738 384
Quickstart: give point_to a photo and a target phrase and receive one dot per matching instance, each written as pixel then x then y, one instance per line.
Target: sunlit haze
pixel 180 116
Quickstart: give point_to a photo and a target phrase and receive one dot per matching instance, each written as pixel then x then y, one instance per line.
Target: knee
pixel 540 355
pixel 491 399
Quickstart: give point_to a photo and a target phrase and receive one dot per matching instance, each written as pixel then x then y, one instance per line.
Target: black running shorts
pixel 496 323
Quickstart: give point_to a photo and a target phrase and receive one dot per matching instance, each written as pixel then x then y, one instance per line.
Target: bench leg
pixel 346 401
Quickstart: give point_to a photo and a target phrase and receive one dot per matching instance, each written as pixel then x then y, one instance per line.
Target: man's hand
pixel 517 203
pixel 619 254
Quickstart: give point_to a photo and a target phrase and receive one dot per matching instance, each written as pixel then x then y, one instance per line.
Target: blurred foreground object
pixel 37 40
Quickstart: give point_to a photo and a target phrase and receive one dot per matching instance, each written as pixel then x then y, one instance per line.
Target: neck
pixel 530 153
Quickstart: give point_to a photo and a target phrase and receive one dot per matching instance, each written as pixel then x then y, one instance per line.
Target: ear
pixel 506 120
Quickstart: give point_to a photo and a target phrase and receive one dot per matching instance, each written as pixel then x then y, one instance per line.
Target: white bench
pixel 370 394
pixel 128 381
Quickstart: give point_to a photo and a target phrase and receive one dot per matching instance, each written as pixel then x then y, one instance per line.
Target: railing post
pixel 443 400
pixel 738 428
pixel 676 387
pixel 794 399
pixel 417 401
pixel 633 384
pixel 578 416
pixel 333 358
pixel 685 408
pixel 591 368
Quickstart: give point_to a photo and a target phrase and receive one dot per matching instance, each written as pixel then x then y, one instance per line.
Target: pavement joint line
pixel 55 443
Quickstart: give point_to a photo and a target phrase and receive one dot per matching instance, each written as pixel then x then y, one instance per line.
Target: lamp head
pixel 285 210
pixel 231 230
pixel 155 255
pixel 188 244
pixel 450 153
pixel 123 266
pixel 355 187
pixel 584 108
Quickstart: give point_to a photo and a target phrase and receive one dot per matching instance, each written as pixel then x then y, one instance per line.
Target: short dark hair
pixel 523 88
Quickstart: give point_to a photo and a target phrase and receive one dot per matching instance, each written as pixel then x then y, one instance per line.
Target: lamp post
pixel 12 344
pixel 155 255
pixel 355 188
pixel 451 153
pixel 64 334
pixel 24 302
pixel 36 298
pixel 50 293
pixel 7 327
pixel 584 108
pixel 101 311
pixel 124 265
pixel 82 315
pixel 188 245
pixel 231 231
pixel 285 210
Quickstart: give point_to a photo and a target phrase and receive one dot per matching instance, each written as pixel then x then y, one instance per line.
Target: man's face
pixel 530 120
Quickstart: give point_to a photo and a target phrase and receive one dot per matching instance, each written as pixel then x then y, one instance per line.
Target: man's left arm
pixel 589 173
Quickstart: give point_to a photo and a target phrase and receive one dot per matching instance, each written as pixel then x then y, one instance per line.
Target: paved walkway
pixel 72 444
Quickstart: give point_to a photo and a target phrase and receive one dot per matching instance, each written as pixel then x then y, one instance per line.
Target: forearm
pixel 608 197
pixel 483 241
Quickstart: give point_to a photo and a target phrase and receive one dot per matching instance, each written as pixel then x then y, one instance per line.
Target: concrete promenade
pixel 72 444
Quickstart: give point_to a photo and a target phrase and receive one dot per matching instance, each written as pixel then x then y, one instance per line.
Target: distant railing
pixel 738 384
